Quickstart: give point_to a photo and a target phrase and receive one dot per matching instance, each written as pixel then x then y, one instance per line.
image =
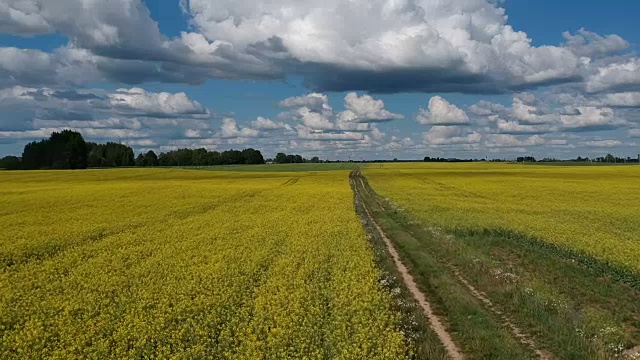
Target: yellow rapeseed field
pixel 593 209
pixel 160 263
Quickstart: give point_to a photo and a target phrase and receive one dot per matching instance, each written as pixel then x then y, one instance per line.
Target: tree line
pixel 282 158
pixel 200 157
pixel 68 150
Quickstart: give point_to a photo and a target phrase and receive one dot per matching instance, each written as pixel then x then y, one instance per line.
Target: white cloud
pixel 620 76
pixel 513 127
pixel 367 109
pixel 524 109
pixel 634 133
pixel 447 135
pixel 450 44
pixel 589 44
pixel 376 134
pixel 506 140
pixel 441 112
pixel 626 99
pixel 591 118
pixel 230 129
pixel 486 108
pixel 529 115
pixel 396 143
pixel 265 124
pixel 22 17
pixel 319 135
pixel 314 101
pixel 315 120
pixel 158 104
pixel 604 143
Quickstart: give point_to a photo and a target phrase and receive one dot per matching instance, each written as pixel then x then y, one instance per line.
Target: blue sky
pixel 429 79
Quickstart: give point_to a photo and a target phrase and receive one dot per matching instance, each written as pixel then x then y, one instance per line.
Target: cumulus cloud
pixel 140 101
pixel 315 120
pixel 589 44
pixel 619 76
pixel 385 46
pixel 265 124
pixel 30 67
pixel 514 127
pixel 626 99
pixel 230 129
pixel 486 108
pixel 366 109
pixel 447 135
pixel 507 140
pixel 604 143
pixel 441 112
pixel 463 45
pixel 314 101
pixel 319 123
pixel 530 115
pixel 591 119
pixel 399 143
pixel 23 17
pixel 307 134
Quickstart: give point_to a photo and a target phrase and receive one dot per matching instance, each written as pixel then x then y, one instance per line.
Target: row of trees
pixel 282 158
pixel 439 159
pixel 68 150
pixel 200 157
pixel 600 159
pixel 109 155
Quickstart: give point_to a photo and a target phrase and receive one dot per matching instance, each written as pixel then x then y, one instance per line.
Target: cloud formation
pixel 380 46
pixel 441 112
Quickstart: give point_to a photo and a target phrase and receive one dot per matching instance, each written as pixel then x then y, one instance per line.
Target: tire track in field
pixel 518 333
pixel 437 326
pixel 291 181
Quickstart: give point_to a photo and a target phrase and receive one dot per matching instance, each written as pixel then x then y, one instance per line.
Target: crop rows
pixel 188 264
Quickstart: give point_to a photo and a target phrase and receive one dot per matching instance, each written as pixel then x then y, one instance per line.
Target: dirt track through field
pixel 506 321
pixel 444 336
pixel 437 326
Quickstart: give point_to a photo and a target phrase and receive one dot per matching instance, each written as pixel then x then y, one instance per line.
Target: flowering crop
pixel 591 209
pixel 159 263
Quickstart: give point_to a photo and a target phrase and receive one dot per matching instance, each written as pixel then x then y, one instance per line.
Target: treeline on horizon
pixel 68 150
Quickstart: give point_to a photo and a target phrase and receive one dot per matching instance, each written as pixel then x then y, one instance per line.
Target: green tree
pixel 281 158
pixel 140 161
pixel 63 150
pixel 150 158
pixel 10 163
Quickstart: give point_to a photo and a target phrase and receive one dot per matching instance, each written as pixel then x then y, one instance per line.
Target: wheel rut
pixel 434 321
pixel 421 298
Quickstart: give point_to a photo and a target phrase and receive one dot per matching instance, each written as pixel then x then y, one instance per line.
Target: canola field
pixel 171 263
pixel 591 209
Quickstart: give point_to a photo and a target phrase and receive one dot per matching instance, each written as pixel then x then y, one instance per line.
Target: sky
pixel 338 79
